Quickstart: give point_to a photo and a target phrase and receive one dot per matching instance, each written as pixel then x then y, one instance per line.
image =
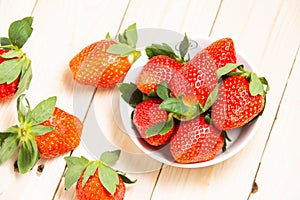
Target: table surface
pixel 267 31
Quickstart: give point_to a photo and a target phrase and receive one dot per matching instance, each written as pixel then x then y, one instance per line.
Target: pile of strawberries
pixel 192 103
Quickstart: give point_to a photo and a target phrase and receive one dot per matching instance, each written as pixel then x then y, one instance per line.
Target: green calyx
pixel 16 63
pixel 166 50
pixel 22 135
pixel 80 166
pixel 257 85
pixel 126 44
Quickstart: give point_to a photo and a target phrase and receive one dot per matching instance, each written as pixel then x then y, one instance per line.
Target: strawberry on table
pixel 44 131
pixel 15 66
pixel 96 179
pixel 195 141
pixel 105 63
pixel 242 98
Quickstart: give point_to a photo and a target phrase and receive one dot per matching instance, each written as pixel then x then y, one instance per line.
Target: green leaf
pixel 125 178
pixel 264 81
pixel 28 155
pixel 162 90
pixel 4 41
pixel 161 128
pixel 160 49
pixel 121 49
pixel 109 178
pixel 13 129
pixel 10 70
pixel 21 108
pixel 227 69
pixel 12 54
pixel 225 138
pixel 255 86
pixel 130 93
pixel 90 170
pixel 174 105
pixel 184 46
pixel 110 157
pixel 43 111
pixel 211 99
pixel 8 146
pixel 76 167
pixel 131 35
pixel 19 31
pixel 39 130
pixel 25 79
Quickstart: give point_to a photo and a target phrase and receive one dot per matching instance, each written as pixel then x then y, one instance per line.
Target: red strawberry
pixel 147 114
pixel 65 136
pixel 44 130
pixel 236 106
pixel 195 141
pixel 105 63
pixel 95 179
pixel 222 52
pixel 156 70
pixel 15 66
pixel 94 190
pixel 195 80
pixel 7 90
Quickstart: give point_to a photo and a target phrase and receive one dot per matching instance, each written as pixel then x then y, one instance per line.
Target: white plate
pixel 240 136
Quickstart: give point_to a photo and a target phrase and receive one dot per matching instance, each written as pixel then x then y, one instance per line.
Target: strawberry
pixel 157 69
pixel 95 179
pixel 222 51
pixel 195 141
pixel 45 131
pixel 242 98
pixel 154 125
pixel 163 63
pixel 15 66
pixel 105 63
pixel 64 137
pixel 196 80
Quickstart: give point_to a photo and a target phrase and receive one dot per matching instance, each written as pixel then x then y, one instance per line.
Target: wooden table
pixel 267 31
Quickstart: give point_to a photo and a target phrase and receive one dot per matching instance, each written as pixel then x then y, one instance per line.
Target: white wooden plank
pixel 233 179
pixel 278 174
pixel 61 29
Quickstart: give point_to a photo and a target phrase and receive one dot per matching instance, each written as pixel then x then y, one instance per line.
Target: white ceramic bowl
pixel 240 136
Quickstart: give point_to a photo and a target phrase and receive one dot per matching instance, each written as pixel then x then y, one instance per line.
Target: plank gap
pixel 156 181
pixel 34 6
pixel 123 17
pixel 277 111
pixel 215 19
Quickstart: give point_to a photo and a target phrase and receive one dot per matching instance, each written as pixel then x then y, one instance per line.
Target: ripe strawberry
pixel 236 106
pixel 64 137
pixel 45 128
pixel 154 125
pixel 95 179
pixel 156 70
pixel 196 80
pixel 105 63
pixel 93 189
pixel 15 66
pixel 242 97
pixel 195 141
pixel 222 52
